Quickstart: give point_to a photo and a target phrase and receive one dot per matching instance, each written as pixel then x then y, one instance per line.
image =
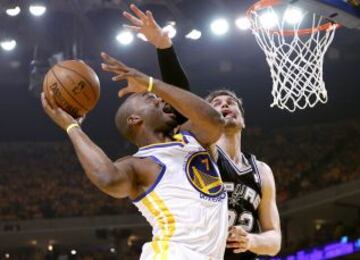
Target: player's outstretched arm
pixel 114 179
pixel 268 242
pixel 205 122
pixel 171 70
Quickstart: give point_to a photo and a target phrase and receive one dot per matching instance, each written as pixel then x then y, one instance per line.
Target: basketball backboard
pixel 344 12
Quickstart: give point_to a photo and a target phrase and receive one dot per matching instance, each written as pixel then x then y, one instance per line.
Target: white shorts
pixel 170 251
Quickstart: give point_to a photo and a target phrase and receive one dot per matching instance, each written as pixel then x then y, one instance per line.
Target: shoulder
pixel 266 174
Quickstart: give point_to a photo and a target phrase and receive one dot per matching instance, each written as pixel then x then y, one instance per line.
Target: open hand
pixel 145 23
pixel 137 81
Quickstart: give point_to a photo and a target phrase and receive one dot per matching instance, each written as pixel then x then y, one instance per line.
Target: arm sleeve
pixel 171 70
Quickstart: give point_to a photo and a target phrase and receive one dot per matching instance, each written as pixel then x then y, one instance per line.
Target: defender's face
pixel 229 108
pixel 155 112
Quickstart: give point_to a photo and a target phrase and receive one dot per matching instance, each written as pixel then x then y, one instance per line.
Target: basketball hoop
pixel 295 54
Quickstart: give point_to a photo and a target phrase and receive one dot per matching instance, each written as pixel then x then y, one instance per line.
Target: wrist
pixel 165 44
pixel 252 241
pixel 71 127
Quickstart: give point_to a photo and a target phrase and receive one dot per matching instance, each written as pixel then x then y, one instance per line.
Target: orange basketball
pixel 75 85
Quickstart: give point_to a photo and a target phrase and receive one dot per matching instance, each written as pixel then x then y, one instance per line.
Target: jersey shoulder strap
pixel 255 170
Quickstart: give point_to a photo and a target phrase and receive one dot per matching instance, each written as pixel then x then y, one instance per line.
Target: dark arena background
pixel 50 210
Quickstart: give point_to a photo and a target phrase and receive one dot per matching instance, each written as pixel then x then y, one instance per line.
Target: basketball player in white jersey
pixel 171 179
pixel 253 214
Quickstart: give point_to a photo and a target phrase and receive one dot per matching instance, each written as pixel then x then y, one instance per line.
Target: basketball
pixel 75 86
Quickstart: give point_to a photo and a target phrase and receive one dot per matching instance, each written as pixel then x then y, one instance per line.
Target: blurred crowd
pixel 45 180
pixel 308 158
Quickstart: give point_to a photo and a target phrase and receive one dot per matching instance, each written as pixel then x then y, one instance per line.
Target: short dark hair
pixel 121 116
pixel 225 92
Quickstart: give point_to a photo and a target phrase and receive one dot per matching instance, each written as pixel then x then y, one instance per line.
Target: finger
pixel 240 250
pixel 51 100
pixel 45 103
pixel 111 60
pixel 80 120
pixel 240 230
pixel 112 68
pixel 124 92
pixel 232 245
pixel 132 28
pixel 151 19
pixel 233 239
pixel 138 12
pixel 233 234
pixel 243 239
pixel 132 19
pixel 119 78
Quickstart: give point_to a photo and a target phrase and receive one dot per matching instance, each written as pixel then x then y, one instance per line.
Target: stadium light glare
pixel 268 19
pixel 125 37
pixel 193 35
pixel 13 11
pixel 7 255
pixel 50 248
pixel 112 250
pixel 73 252
pixel 8 45
pixel 170 28
pixel 243 23
pixel 37 9
pixel 293 15
pixel 219 26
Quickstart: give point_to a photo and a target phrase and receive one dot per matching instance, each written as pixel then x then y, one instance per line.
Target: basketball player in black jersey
pixel 253 214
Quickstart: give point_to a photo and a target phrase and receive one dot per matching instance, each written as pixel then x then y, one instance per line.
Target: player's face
pixel 156 113
pixel 229 108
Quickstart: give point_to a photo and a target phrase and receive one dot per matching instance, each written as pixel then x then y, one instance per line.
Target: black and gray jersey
pixel 244 196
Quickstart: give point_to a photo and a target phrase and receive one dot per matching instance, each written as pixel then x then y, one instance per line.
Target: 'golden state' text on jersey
pixel 187 204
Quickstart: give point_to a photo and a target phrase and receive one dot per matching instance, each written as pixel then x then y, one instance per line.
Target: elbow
pixel 276 247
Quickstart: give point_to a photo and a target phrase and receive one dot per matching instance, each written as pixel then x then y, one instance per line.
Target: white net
pixel 295 60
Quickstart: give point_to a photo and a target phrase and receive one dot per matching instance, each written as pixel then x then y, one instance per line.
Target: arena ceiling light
pixel 243 23
pixel 193 35
pixel 8 45
pixel 73 252
pixel 170 28
pixel 125 37
pixel 13 11
pixel 219 26
pixel 269 19
pixel 37 9
pixel 293 15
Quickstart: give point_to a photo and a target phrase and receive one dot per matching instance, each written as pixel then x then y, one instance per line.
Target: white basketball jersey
pixel 187 204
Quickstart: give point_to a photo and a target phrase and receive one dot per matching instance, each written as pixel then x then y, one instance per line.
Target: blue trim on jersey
pixel 162 145
pixel 152 187
pixel 184 133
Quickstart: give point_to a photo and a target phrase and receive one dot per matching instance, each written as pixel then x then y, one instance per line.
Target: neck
pixel 151 137
pixel 230 142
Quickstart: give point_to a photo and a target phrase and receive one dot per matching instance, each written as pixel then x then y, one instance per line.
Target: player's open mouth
pixel 227 114
pixel 168 109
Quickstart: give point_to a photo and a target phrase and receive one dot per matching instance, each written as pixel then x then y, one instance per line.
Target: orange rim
pixel 262 4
